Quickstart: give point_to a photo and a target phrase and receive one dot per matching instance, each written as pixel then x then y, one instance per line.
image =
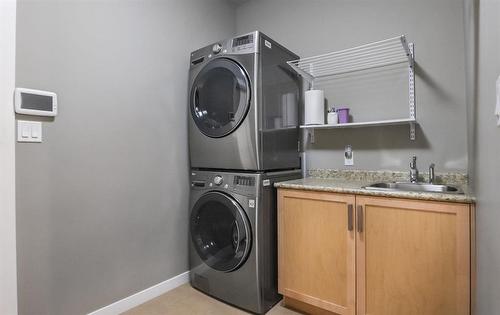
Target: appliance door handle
pixel 236 238
pixel 196 97
pixel 360 219
pixel 350 219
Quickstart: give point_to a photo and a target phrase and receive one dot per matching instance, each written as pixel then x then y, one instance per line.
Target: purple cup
pixel 343 115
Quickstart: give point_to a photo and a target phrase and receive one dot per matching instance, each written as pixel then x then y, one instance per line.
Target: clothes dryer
pixel 244 105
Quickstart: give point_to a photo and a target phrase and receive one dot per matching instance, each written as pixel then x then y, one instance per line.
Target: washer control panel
pixel 245 184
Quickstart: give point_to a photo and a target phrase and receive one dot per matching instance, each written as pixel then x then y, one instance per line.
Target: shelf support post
pixel 411 87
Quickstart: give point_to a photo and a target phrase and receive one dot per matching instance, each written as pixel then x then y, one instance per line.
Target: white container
pixel 278 122
pixel 332 118
pixel 314 113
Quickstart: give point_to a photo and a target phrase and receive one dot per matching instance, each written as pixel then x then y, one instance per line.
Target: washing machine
pixel 244 105
pixel 233 237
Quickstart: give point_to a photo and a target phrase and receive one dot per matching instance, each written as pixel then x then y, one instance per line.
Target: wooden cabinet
pixel 413 257
pixel 316 249
pixel 400 257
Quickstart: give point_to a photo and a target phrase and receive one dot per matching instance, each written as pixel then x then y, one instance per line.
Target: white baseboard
pixel 143 296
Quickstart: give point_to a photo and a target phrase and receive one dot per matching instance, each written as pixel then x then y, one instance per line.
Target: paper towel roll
pixel 314 107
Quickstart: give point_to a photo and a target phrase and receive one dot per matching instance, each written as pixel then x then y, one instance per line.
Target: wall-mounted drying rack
pixel 379 54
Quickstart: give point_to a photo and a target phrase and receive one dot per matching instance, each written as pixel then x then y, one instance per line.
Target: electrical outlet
pixel 348 156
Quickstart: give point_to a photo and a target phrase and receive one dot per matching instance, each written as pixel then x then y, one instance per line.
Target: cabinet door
pixel 316 249
pixel 413 257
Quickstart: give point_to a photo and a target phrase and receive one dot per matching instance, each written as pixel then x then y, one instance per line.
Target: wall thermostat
pixel 35 102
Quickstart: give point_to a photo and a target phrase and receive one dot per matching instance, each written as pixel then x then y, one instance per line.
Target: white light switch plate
pixel 29 131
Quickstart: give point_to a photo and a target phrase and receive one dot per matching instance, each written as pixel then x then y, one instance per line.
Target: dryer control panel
pixel 244 44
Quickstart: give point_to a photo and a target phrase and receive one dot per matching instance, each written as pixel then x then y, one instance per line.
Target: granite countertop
pixel 353 185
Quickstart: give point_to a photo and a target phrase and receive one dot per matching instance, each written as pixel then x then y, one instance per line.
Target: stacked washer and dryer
pixel 243 137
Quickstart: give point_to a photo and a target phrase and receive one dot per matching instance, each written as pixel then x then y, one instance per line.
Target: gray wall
pixel 436 28
pixel 487 170
pixel 102 202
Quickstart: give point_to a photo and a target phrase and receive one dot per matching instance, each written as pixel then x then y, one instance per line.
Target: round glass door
pixel 220 97
pixel 220 231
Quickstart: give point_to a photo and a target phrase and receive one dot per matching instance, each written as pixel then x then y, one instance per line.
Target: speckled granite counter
pixel 350 186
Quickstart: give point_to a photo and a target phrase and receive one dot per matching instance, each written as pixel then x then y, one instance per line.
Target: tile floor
pixel 186 300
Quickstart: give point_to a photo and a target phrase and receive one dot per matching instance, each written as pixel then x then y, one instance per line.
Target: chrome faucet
pixel 413 170
pixel 432 177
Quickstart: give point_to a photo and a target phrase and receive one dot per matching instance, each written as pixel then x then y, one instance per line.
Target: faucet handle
pixel 432 176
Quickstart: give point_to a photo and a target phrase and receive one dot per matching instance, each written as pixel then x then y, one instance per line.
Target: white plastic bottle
pixel 332 117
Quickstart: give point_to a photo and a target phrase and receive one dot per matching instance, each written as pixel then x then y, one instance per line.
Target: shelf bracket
pixel 412 130
pixel 408 49
pixel 310 135
pixel 303 73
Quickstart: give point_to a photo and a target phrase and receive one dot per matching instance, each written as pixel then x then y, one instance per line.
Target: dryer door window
pixel 220 97
pixel 220 231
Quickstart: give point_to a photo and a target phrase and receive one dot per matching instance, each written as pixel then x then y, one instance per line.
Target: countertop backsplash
pixel 452 178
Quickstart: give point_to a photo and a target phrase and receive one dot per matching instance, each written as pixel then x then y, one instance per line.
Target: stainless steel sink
pixel 417 187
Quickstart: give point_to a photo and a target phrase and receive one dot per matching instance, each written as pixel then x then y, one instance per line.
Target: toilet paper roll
pixel 289 110
pixel 314 107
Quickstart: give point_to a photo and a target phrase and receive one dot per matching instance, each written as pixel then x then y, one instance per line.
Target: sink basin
pixel 417 187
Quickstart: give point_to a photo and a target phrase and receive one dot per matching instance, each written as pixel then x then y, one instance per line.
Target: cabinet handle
pixel 350 221
pixel 360 219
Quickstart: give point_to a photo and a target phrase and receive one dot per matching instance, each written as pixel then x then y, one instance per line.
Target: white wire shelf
pixel 401 121
pixel 383 53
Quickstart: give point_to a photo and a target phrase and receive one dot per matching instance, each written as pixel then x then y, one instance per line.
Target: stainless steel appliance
pixel 243 100
pixel 233 236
